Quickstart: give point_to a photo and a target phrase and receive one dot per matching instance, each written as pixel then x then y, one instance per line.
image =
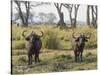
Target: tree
pixel 28 6
pixel 61 16
pixel 47 17
pixel 76 6
pixel 42 17
pixel 88 15
pixel 16 16
pixel 94 16
pixel 70 8
pixel 24 18
pixel 11 11
pixel 51 18
pixel 31 16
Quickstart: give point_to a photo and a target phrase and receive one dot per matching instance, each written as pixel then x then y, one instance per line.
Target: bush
pixel 52 43
pixel 51 39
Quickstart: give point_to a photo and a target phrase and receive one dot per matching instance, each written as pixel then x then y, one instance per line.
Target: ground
pixel 53 61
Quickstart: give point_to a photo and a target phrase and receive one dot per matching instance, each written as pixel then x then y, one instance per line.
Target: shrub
pixel 52 40
pixel 52 43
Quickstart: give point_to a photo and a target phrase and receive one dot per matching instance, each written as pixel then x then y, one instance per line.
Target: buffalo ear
pixel 27 38
pixel 77 39
pixel 86 40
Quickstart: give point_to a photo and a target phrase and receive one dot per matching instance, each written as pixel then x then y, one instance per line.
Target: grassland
pixel 56 54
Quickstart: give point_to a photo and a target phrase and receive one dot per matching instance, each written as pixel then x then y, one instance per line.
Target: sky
pixel 46 8
pixel 51 8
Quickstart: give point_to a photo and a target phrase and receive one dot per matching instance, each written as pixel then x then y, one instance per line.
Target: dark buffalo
pixel 33 45
pixel 78 44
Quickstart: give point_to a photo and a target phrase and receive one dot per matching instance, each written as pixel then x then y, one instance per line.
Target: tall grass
pixel 54 38
pixel 20 44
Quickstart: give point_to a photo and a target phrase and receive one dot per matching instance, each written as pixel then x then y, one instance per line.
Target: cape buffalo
pixel 33 45
pixel 78 44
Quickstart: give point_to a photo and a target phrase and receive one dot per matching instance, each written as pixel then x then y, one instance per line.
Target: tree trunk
pixel 11 11
pixel 92 16
pixel 75 15
pixel 96 15
pixel 23 18
pixel 71 20
pixel 27 4
pixel 88 16
pixel 60 23
pixel 20 12
pixel 74 24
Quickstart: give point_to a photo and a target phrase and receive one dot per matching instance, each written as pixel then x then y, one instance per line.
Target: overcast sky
pixel 51 8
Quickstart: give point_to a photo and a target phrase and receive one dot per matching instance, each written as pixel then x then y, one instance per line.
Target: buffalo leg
pixel 81 56
pixel 78 56
pixel 36 58
pixel 29 59
pixel 75 56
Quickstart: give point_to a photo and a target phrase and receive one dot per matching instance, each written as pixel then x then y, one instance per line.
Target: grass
pixel 56 54
pixel 54 38
pixel 20 44
pixel 55 61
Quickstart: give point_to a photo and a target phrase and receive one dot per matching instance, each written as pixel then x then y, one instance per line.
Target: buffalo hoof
pixel 29 66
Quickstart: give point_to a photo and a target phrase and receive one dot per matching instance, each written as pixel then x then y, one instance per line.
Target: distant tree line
pixel 91 17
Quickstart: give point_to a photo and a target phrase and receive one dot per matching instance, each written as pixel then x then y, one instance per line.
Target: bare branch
pixel 35 4
pixel 60 6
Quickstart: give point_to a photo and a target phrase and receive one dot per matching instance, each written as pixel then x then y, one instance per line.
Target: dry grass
pixel 54 38
pixel 55 61
pixel 56 54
